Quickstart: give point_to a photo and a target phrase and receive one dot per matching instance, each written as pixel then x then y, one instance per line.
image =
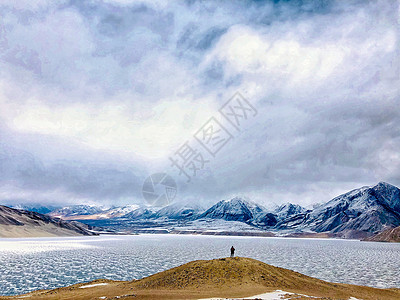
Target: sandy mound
pixel 226 277
pixel 239 273
pixel 226 272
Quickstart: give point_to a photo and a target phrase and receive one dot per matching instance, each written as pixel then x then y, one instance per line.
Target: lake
pixel 41 263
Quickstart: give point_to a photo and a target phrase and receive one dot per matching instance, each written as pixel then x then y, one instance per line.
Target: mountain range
pixel 22 223
pixel 92 212
pixel 360 213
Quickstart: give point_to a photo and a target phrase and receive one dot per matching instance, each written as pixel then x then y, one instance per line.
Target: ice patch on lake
pixel 46 263
pixel 31 247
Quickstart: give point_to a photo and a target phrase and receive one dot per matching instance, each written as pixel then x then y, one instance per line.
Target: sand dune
pixel 227 277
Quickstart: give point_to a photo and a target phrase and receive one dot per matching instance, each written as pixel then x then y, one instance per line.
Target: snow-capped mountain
pixel 141 213
pixel 41 209
pixel 236 209
pixel 77 210
pixel 180 210
pixel 119 211
pixel 287 210
pixel 267 220
pixel 359 212
pixel 93 212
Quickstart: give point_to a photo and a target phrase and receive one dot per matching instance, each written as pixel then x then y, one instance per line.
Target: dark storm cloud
pixel 66 180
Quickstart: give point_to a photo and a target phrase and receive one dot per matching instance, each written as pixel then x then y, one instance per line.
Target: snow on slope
pixel 286 210
pixel 180 210
pixel 360 212
pixel 235 209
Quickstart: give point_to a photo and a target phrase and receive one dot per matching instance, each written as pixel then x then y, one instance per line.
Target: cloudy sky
pixel 97 95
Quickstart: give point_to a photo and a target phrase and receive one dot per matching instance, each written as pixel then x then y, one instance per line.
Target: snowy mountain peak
pixel 367 209
pixel 389 194
pixel 288 209
pixel 75 210
pixel 235 209
pixel 386 188
pixel 386 185
pixel 239 201
pixel 235 199
pixel 180 210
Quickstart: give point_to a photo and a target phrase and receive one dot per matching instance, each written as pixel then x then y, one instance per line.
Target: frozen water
pixel 44 263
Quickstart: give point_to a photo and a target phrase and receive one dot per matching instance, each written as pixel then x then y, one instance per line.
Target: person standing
pixel 232 251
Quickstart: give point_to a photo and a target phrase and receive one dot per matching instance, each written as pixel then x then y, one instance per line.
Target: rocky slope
pixel 391 235
pixel 22 223
pixel 358 213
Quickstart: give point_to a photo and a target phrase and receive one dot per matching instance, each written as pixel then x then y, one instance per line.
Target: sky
pixel 95 96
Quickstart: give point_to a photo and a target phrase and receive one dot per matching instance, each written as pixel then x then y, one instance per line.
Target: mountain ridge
pixel 235 209
pixel 22 223
pixel 359 213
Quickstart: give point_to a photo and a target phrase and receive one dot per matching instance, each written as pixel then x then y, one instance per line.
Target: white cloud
pixel 155 4
pixel 150 132
pixel 28 5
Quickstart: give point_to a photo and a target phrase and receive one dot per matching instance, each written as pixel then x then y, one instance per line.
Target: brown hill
pixel 389 235
pixel 226 277
pixel 22 223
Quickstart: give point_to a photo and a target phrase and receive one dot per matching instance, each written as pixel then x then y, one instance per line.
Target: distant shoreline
pixel 307 235
pixel 194 233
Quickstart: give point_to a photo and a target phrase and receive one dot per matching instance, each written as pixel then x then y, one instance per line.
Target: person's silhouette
pixel 232 251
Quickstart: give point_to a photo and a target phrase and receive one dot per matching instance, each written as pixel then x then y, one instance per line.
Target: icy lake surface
pixel 43 263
